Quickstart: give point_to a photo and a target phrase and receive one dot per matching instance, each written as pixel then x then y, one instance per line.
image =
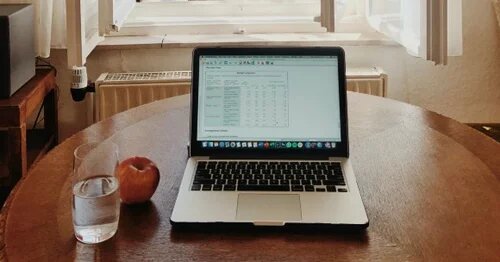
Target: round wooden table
pixel 430 186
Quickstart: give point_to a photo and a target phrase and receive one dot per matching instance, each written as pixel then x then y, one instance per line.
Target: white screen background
pixel 292 99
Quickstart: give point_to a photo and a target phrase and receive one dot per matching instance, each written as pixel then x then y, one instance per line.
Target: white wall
pixel 467 89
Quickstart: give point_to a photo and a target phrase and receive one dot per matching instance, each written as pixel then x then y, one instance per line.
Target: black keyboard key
pixel 309 188
pixel 266 171
pixel 195 187
pixel 284 182
pixel 264 182
pixel 276 172
pixel 255 171
pixel 320 177
pixel 289 177
pixel 297 188
pixel 320 190
pixel 342 190
pixel 263 188
pixel 252 182
pixel 206 187
pixel 268 176
pixel 330 188
pixel 242 182
pixel 321 166
pixel 274 182
pixel 248 176
pixel 245 172
pixel 220 181
pixel 283 164
pixel 217 188
pixel 202 163
pixel 229 187
pixel 258 176
pixel 231 182
pixel 331 177
pixel 237 176
pixel 316 182
pixel 197 177
pixel 216 176
pixel 328 172
pixel 338 182
pixel 202 172
pixel 310 177
pixel 279 177
pixel 295 182
pixel 204 181
pixel 299 177
pixel 305 182
pixel 286 172
pixel 306 172
pixel 227 176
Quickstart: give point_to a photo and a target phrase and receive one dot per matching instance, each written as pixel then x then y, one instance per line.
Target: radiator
pixel 117 92
pixel 372 81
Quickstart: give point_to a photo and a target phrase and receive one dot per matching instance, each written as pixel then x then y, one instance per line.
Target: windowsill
pixel 275 39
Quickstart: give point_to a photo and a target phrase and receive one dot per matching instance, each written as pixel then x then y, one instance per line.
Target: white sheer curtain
pixel 50 24
pixel 423 32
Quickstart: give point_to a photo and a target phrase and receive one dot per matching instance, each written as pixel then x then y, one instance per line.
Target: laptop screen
pixel 268 102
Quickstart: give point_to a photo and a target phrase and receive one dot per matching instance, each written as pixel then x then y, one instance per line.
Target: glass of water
pixel 96 199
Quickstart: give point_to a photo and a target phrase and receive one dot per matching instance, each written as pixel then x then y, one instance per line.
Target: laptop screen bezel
pixel 341 148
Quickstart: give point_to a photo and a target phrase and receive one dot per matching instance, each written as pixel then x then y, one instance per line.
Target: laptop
pixel 269 140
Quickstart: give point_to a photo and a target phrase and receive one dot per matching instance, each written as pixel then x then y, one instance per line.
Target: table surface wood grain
pixel 430 186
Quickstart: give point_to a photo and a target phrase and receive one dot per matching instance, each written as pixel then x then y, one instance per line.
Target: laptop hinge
pixel 271 157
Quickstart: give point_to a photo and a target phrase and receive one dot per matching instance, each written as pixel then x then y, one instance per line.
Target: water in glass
pixel 96 208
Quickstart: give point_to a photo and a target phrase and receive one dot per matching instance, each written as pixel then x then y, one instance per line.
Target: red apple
pixel 138 178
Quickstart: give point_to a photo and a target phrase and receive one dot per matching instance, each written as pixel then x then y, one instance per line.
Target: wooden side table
pixel 20 147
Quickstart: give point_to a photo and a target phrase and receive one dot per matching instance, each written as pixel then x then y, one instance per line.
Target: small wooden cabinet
pixel 20 147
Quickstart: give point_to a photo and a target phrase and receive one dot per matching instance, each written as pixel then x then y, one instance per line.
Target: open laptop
pixel 269 140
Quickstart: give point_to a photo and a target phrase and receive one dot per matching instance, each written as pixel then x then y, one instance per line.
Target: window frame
pixel 246 17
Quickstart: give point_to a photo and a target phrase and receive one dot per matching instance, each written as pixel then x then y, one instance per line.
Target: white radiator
pixel 117 92
pixel 372 81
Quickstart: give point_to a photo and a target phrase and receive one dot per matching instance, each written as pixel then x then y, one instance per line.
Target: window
pixel 218 17
pixel 430 29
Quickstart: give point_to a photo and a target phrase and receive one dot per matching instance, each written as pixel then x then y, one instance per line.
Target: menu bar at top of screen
pixel 268 60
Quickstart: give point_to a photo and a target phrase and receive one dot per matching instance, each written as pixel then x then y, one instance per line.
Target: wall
pixel 467 89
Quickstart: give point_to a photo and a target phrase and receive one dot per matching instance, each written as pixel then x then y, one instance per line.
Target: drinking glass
pixel 96 199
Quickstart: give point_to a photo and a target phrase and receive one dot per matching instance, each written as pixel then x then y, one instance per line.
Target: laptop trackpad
pixel 262 208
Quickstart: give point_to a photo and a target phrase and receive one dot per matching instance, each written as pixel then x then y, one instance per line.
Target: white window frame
pixel 81 38
pixel 112 16
pixel 183 17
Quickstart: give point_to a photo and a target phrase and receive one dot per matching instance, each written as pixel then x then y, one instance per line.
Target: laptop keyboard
pixel 307 176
